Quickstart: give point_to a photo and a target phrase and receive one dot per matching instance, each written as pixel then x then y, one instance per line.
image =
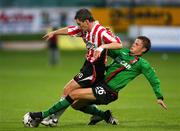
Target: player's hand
pixel 160 101
pixel 48 35
pixel 97 54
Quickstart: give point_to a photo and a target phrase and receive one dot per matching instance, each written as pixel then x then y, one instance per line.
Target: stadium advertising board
pixel 162 37
pixel 15 20
pixel 19 20
pixel 121 18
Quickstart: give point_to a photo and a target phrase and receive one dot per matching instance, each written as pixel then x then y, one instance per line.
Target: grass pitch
pixel 28 83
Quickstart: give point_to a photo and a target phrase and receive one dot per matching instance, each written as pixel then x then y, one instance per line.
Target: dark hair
pixel 146 42
pixel 84 14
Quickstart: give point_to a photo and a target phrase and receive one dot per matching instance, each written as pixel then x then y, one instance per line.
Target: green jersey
pixel 122 58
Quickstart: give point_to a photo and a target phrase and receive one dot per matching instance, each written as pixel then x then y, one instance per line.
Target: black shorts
pixel 90 73
pixel 103 94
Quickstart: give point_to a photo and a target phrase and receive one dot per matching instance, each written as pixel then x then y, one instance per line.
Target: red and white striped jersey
pixel 96 37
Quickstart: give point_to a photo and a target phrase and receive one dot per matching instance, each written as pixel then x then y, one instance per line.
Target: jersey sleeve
pixel 113 53
pixel 74 31
pixel 108 37
pixel 151 76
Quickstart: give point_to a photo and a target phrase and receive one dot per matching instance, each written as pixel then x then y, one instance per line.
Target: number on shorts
pixel 100 90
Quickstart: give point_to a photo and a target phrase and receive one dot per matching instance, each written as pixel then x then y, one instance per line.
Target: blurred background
pixel 33 72
pixel 26 21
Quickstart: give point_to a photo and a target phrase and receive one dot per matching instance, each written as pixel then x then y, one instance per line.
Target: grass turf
pixel 28 83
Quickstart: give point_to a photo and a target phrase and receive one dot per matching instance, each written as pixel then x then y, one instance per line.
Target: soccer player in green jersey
pixel 127 64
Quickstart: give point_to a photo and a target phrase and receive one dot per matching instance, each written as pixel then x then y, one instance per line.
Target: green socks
pixel 63 103
pixel 93 110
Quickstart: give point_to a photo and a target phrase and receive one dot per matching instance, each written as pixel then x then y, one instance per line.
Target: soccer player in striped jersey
pixel 97 39
pixel 127 65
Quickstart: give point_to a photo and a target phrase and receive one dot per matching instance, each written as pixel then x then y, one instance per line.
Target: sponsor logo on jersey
pixel 123 62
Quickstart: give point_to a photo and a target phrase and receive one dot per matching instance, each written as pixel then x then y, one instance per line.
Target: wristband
pixel 99 49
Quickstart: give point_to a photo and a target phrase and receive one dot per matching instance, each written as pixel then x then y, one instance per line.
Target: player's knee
pixel 74 95
pixel 67 90
pixel 71 86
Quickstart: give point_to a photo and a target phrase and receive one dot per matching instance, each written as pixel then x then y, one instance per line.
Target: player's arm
pixel 151 76
pixel 69 30
pixel 110 43
pixel 61 31
pixel 113 45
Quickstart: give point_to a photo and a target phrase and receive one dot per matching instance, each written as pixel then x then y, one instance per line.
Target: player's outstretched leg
pixel 39 116
pixel 53 114
pixel 107 117
pixel 98 115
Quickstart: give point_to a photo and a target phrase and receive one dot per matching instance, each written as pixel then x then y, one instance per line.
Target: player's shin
pixel 59 113
pixel 63 103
